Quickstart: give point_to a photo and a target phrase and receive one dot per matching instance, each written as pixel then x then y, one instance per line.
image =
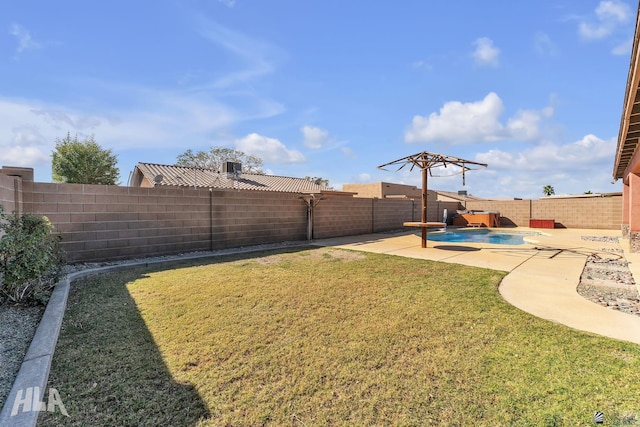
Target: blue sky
pixel 325 88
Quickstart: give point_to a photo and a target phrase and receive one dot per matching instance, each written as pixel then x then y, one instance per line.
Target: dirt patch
pixel 322 253
pixel 268 260
pixel 340 254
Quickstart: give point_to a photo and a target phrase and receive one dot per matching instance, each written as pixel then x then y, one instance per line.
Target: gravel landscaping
pixel 609 283
pixel 17 326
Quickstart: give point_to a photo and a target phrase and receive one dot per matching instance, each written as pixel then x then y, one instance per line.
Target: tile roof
pixel 208 178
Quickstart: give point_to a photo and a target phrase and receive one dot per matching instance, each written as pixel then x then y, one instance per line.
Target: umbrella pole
pixel 424 208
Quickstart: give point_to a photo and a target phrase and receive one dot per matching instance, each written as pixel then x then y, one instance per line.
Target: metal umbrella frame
pixel 426 162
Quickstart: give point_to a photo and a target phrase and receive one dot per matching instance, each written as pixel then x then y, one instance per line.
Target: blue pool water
pixel 479 236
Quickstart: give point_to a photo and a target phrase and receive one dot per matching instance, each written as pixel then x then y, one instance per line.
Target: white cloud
pixel 268 149
pixel 486 53
pixel 609 15
pixel 25 41
pixel 571 168
pixel 258 58
pixel 23 156
pixel 314 137
pixel 525 125
pixel 550 157
pixel 623 48
pixel 168 120
pixel 422 65
pixel 543 44
pixel 23 143
pixel 613 10
pixel 348 152
pixel 459 123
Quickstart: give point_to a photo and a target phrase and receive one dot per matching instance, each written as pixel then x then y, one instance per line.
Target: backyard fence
pixel 100 222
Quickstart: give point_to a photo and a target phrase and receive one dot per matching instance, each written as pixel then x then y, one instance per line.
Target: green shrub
pixel 31 260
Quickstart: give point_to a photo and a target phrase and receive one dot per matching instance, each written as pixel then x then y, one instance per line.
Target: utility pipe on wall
pixel 312 201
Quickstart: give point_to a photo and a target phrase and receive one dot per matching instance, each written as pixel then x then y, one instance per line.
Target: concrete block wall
pixel 512 212
pixel 389 214
pixel 110 222
pixel 100 222
pixel 342 216
pixel 591 213
pixel 8 193
pixel 436 210
pixel 243 218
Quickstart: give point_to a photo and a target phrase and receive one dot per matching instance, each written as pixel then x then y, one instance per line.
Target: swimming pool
pixel 480 236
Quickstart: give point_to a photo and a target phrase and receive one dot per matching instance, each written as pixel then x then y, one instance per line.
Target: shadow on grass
pixel 107 367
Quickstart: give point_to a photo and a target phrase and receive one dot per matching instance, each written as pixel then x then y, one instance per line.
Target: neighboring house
pixel 387 190
pixel 155 175
pixel 460 196
pixel 627 162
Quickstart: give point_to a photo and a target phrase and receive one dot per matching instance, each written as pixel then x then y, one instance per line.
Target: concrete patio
pixel 543 273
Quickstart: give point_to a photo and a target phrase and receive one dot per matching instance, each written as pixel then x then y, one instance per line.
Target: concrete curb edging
pixel 34 371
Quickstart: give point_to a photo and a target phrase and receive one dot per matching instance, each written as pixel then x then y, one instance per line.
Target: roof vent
pixel 462 193
pixel 232 167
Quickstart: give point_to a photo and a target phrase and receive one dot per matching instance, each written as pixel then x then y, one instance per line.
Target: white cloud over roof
pixel 268 149
pixel 314 137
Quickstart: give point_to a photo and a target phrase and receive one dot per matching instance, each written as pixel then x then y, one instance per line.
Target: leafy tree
pixel 548 190
pixel 588 192
pixel 318 180
pixel 83 162
pixel 216 156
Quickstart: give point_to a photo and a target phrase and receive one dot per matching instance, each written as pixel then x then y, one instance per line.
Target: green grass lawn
pixel 315 337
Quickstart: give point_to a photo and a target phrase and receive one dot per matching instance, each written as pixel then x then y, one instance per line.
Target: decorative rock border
pixel 609 283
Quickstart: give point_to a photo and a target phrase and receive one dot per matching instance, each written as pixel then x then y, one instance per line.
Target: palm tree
pixel 548 190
